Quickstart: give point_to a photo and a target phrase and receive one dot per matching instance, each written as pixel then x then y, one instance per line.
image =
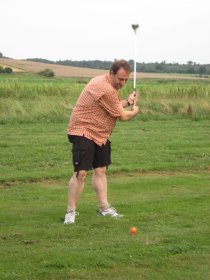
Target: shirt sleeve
pixel 111 103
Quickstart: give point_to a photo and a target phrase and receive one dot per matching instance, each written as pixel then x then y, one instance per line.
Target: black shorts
pixel 87 155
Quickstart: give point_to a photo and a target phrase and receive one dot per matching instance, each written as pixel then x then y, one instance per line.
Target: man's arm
pixel 127 115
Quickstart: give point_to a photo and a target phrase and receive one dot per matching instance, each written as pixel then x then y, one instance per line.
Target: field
pixel 68 71
pixel 159 180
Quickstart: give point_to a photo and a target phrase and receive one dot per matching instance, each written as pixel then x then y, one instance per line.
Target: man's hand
pixel 133 98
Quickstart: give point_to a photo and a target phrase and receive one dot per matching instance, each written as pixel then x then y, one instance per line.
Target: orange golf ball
pixel 133 230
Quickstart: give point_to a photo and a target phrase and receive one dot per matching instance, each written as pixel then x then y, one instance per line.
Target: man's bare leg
pixel 76 186
pixel 99 182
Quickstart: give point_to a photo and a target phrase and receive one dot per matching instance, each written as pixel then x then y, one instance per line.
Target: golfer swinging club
pixel 91 123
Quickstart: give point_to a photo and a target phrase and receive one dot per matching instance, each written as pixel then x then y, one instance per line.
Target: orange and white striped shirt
pixel 96 111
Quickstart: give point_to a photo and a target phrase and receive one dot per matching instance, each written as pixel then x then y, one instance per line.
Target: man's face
pixel 120 78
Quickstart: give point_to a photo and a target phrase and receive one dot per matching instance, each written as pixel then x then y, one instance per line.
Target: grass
pixel 170 212
pixel 27 98
pixel 159 180
pixel 35 151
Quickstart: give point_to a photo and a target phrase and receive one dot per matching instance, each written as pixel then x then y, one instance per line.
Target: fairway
pixel 170 211
pixel 159 180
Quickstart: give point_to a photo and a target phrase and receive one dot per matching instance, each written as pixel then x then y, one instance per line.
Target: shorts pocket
pixel 76 158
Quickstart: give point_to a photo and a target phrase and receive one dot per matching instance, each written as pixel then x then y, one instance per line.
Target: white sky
pixel 170 30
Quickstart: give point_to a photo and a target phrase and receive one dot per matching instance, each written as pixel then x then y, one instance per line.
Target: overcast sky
pixel 170 30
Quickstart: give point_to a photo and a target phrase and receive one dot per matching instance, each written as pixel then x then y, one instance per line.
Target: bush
pixel 8 70
pixel 47 73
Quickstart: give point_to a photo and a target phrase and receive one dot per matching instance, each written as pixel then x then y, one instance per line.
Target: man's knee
pixel 100 170
pixel 81 174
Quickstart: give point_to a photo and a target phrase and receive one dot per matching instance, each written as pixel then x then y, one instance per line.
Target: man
pixel 91 123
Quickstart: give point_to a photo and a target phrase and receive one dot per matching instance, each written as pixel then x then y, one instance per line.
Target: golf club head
pixel 135 27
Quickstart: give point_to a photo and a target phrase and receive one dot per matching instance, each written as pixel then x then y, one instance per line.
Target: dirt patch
pixel 56 183
pixel 5 186
pixel 13 68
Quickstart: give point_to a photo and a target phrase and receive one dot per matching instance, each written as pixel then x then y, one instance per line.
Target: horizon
pixel 190 62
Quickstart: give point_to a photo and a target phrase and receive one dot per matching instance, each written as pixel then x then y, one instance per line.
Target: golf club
pixel 135 27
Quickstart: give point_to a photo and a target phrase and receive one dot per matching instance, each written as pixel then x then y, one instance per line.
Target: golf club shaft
pixel 135 27
pixel 134 70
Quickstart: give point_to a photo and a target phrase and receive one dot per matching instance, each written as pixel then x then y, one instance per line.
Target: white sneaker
pixel 70 217
pixel 111 211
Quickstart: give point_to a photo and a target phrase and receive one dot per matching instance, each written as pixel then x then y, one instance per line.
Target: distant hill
pixel 59 70
pixel 154 67
pixel 80 72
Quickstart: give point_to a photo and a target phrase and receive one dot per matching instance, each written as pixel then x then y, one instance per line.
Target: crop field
pixel 76 72
pixel 159 180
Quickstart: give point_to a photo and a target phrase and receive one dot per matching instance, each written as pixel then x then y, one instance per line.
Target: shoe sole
pixel 118 216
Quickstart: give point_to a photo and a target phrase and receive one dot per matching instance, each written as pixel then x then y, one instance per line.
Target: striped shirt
pixel 96 111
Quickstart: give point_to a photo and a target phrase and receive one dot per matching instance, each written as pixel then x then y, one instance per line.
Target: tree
pixel 190 62
pixel 1 55
pixel 159 66
pixel 202 70
pixel 190 70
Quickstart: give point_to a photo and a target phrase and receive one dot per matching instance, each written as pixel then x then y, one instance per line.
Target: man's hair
pixel 118 64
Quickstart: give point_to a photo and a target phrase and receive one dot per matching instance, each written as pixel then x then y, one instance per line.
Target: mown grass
pixel 170 212
pixel 33 151
pixel 159 180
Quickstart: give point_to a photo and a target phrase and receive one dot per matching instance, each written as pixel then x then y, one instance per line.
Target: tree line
pixel 154 67
pixel 189 67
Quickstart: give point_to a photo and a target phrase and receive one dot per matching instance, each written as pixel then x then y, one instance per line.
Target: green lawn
pixel 159 180
pixel 34 151
pixel 170 211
